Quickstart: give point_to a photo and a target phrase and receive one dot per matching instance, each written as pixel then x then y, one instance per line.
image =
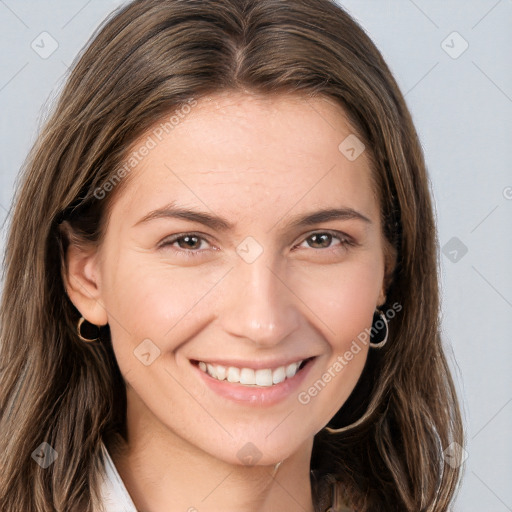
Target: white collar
pixel 114 496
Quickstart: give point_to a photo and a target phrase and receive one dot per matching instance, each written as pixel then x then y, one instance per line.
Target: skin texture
pixel 257 161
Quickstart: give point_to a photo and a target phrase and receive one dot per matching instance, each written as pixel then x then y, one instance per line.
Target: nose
pixel 259 304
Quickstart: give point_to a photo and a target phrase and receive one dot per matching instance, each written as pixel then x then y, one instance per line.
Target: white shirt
pixel 115 497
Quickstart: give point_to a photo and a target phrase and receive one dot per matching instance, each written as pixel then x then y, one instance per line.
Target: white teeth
pixel 278 375
pixel 233 374
pixel 211 370
pixel 221 372
pixel 249 377
pixel 291 369
pixel 264 377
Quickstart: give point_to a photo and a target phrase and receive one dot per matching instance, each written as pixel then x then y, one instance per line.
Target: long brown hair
pixel 145 62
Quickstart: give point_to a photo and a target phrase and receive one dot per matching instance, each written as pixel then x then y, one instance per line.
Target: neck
pixel 164 473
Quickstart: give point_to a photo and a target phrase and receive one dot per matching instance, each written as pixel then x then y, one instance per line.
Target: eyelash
pixel 345 242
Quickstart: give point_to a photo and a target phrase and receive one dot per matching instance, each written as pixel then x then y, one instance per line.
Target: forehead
pixel 242 152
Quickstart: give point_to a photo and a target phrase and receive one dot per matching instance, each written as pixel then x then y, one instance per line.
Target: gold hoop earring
pixel 78 328
pixel 276 467
pixel 352 425
pixel 384 321
pixel 372 345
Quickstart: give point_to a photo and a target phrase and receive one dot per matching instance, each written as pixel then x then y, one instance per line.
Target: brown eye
pixel 320 240
pixel 328 242
pixel 186 244
pixel 189 242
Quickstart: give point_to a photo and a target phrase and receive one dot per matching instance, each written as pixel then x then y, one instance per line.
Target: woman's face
pixel 215 252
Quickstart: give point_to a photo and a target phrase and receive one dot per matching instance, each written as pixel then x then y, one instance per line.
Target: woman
pixel 221 277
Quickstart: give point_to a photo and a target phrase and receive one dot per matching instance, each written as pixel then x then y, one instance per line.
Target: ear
pixel 382 297
pixel 81 277
pixel 390 259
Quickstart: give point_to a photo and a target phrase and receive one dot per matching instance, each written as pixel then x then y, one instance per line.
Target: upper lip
pixel 257 364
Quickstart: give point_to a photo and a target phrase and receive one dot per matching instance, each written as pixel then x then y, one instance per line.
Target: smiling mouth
pixel 264 377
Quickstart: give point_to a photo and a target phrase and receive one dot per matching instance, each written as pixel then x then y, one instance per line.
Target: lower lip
pixel 252 395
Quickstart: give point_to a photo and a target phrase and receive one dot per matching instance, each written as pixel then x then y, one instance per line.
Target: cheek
pixel 344 300
pixel 343 297
pixel 148 300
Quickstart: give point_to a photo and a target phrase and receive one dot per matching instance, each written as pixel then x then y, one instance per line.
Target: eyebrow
pixel 220 224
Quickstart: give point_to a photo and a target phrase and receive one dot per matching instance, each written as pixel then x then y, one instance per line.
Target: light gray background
pixel 462 108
